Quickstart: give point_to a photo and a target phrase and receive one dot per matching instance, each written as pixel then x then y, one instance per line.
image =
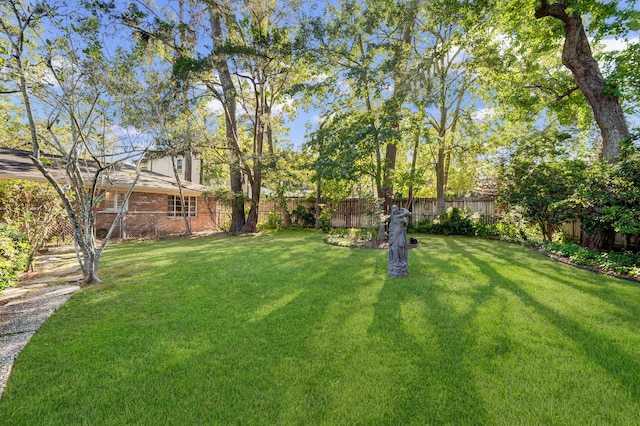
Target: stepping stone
pixel 12 293
pixel 33 285
pixel 66 271
pixel 62 250
pixel 40 281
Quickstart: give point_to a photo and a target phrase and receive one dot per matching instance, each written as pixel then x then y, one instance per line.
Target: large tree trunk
pixel 259 133
pixel 318 225
pixel 412 173
pixel 577 56
pixel 188 166
pixel 389 172
pixel 602 240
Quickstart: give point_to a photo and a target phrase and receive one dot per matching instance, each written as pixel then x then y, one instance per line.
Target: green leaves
pixel 539 179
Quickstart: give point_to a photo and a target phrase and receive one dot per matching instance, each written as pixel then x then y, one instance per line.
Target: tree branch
pixel 559 96
pixel 555 10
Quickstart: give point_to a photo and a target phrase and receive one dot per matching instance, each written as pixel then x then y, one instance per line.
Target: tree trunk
pixel 284 209
pixel 389 171
pixel 440 180
pixel 602 240
pixel 251 224
pixel 318 200
pixel 229 103
pixel 577 56
pixel 90 263
pixel 259 133
pixel 188 166
pixel 400 91
pixel 414 161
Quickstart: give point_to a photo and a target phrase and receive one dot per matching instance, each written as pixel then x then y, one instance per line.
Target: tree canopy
pixel 410 97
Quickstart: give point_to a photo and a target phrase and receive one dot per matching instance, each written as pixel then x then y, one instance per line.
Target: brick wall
pixel 147 217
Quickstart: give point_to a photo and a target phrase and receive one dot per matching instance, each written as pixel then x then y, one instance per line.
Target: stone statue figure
pixel 398 248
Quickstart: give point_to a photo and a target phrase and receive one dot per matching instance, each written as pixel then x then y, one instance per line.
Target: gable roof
pixel 16 164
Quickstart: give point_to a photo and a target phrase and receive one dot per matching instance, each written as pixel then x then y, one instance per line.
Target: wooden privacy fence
pixel 359 213
pixel 354 213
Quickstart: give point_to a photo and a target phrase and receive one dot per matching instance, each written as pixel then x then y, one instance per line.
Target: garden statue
pixel 398 248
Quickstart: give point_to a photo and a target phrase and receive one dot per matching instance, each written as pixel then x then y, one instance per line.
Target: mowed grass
pixel 283 329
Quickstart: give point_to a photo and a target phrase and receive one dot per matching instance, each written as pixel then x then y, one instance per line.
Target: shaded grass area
pixel 284 329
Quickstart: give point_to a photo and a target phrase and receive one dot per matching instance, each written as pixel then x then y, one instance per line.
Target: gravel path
pixel 25 308
pixel 21 318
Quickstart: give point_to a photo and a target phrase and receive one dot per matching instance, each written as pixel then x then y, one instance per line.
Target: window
pixel 179 165
pixel 113 199
pixel 174 206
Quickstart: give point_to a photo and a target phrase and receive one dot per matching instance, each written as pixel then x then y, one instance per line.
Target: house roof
pixel 16 164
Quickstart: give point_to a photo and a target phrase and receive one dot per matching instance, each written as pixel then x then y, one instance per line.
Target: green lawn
pixel 284 329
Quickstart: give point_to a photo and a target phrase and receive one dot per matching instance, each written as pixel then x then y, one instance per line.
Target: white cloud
pixel 612 45
pixel 482 114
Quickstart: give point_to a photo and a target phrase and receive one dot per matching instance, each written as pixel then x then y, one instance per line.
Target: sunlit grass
pixel 284 329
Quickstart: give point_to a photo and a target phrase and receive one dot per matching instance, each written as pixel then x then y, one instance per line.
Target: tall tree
pixel 246 67
pixel 445 83
pixel 404 17
pixel 364 49
pixel 578 24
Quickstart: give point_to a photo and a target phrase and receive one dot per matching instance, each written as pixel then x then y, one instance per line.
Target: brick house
pixel 153 209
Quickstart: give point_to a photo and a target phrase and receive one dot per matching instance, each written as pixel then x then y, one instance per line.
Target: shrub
pixel 452 222
pixel 31 207
pixel 325 217
pixel 304 216
pixel 424 227
pixel 14 255
pixel 273 221
pixel 487 230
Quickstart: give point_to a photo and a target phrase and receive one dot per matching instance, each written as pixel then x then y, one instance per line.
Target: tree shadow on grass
pixel 595 284
pixel 431 340
pixel 621 366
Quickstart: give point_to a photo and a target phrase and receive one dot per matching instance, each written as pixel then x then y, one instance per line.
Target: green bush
pixel 487 230
pixel 452 222
pixel 423 227
pixel 325 218
pixel 14 255
pixel 273 221
pixel 32 208
pixel 304 216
